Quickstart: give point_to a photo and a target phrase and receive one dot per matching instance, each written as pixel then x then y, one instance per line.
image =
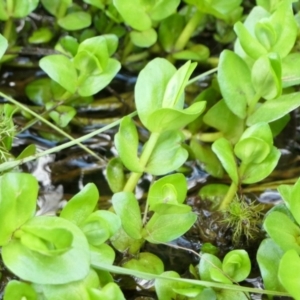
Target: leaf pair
pixel 255 150
pixel 159 96
pixel 140 15
pixel 90 70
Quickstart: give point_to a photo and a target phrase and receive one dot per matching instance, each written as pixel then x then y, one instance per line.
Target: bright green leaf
pixel 16 290
pixel 60 69
pixel 127 208
pixel 35 267
pixel 143 39
pixel 80 206
pixel 223 149
pixel 127 142
pixel 18 195
pixel 75 21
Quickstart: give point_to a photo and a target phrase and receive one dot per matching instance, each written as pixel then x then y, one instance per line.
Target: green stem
pixel 253 103
pixel 147 151
pixel 197 78
pixel 8 26
pixel 127 50
pixel 188 31
pixel 229 196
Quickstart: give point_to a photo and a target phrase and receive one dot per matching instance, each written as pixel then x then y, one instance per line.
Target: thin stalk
pixel 12 164
pixel 15 102
pixel 188 31
pixel 147 151
pixel 7 29
pixel 253 103
pixel 202 76
pixel 229 196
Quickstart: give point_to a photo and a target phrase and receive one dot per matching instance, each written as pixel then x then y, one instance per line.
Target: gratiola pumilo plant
pixel 255 105
pixel 86 73
pixel 42 250
pixel 278 255
pixel 159 96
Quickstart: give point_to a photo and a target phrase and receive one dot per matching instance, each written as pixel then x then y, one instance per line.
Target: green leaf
pixel 290 70
pixel 134 14
pixel 162 9
pixel 102 254
pixel 248 42
pixel 115 175
pixel 168 154
pixel 110 291
pixel 3 45
pixel 171 119
pixel 214 192
pixel 266 76
pixel 207 158
pixel 293 201
pixel 68 45
pixel 168 227
pixel 80 206
pixel 252 150
pixel 223 149
pixel 143 39
pixel 168 31
pixel 62 115
pixel 39 91
pixel 225 294
pixel 18 195
pixel 169 189
pixel 286 28
pixel 127 142
pixel 257 172
pixel 146 262
pixel 92 84
pixel 28 151
pixel 40 36
pixel 288 272
pixel 219 116
pixel 97 3
pixel 239 92
pixel 127 208
pixel 75 21
pixel 165 288
pixel 210 269
pixel 57 8
pixel 16 290
pixel 38 268
pixel 197 52
pixel 283 231
pixel 150 87
pixel 237 265
pixel 77 290
pixel 274 109
pixel 46 241
pixel 265 33
pixel 21 9
pixel 173 96
pixel 60 69
pixel 268 257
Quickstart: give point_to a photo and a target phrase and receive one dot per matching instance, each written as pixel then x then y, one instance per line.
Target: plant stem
pixel 188 31
pixel 253 103
pixel 202 76
pixel 229 196
pixel 8 26
pixel 147 151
